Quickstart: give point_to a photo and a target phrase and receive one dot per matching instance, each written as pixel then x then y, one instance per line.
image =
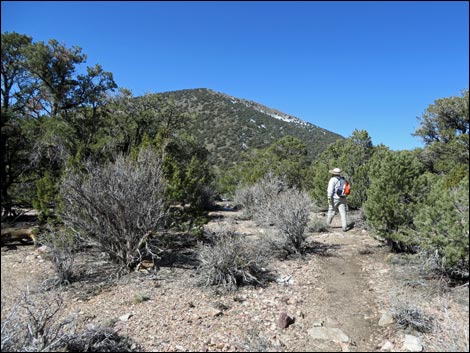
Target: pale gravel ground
pixel 338 287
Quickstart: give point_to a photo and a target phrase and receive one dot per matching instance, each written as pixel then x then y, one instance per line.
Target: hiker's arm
pixel 330 190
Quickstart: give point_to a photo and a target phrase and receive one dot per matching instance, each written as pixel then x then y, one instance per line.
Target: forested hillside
pixel 228 126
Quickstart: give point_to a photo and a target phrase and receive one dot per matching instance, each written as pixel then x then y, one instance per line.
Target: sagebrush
pixel 118 206
pixel 289 214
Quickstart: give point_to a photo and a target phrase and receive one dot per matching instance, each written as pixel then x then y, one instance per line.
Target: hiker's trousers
pixel 341 206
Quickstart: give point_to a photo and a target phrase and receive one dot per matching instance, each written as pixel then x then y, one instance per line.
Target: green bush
pixel 286 158
pixel 188 177
pixel 47 197
pixel 397 187
pixel 442 226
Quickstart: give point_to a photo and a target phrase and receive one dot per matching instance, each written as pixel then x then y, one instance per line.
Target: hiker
pixel 336 203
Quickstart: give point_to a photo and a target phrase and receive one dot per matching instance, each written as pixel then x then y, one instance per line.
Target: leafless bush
pixel 289 212
pixel 253 197
pixel 231 261
pixel 33 326
pixel 451 329
pixel 244 198
pixel 10 330
pixel 118 206
pixel 101 339
pixel 62 247
pixel 432 263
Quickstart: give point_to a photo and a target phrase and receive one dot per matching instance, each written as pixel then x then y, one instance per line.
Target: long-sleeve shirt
pixel 331 187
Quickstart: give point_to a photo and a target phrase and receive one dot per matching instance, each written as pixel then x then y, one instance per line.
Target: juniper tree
pixel 14 144
pixel 442 225
pixel 396 189
pixel 444 128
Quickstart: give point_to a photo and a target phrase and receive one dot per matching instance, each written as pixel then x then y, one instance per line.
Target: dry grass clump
pixel 440 315
pixel 451 329
pixel 231 261
pixel 101 339
pixel 365 251
pixel 254 342
pixel 414 317
pixel 140 298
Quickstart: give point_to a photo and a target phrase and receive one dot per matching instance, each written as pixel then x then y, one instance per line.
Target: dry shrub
pixel 451 329
pixel 442 317
pixel 358 218
pixel 118 206
pixel 433 263
pixel 251 198
pixel 414 317
pixel 270 203
pixel 231 261
pixel 62 247
pixel 245 200
pixel 289 213
pixel 317 225
pixel 101 339
pixel 34 326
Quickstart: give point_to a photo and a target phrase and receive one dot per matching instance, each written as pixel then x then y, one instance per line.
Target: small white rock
pixel 412 344
pixel 125 317
pixel 387 346
pixel 386 319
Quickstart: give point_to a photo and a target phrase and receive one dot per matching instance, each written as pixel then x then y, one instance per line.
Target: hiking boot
pixel 349 227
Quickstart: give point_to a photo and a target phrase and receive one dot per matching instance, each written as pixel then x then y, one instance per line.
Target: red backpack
pixel 342 187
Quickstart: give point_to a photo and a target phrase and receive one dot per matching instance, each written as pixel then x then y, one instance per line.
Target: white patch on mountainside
pixel 268 111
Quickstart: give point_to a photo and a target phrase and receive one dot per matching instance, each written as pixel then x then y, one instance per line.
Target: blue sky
pixel 341 65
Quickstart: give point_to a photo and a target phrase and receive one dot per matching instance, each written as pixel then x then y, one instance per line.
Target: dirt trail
pixel 347 301
pixel 346 292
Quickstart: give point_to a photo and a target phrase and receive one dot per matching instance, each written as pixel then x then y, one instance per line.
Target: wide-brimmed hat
pixel 336 171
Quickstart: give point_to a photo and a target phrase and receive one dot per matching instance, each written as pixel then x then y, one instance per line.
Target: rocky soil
pixel 341 296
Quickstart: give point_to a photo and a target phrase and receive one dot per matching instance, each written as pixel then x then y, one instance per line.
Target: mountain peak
pixel 228 126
